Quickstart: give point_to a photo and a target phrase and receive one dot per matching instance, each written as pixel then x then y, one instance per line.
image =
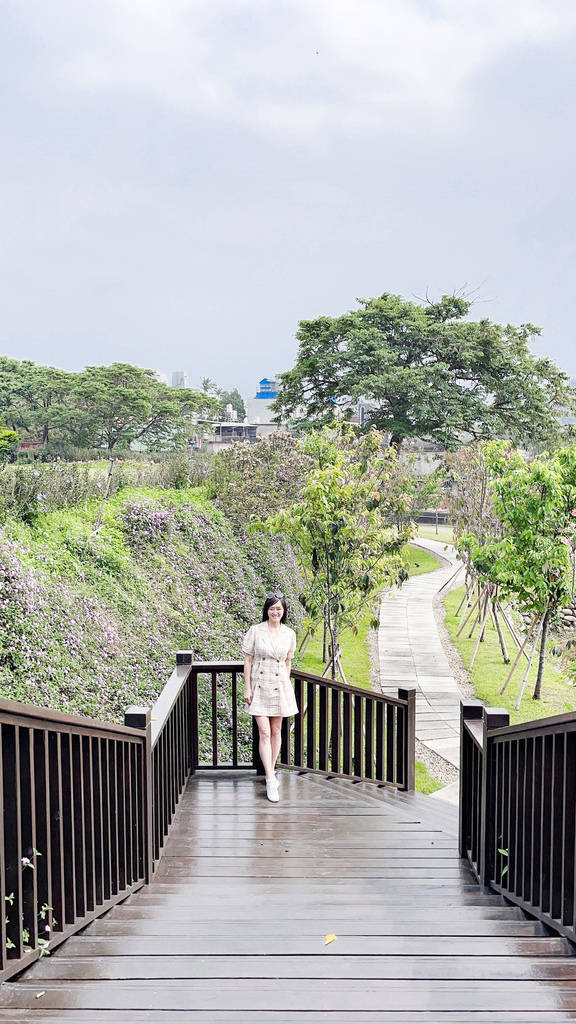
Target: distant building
pixel 224 434
pixel 258 408
pixel 162 377
pixel 179 379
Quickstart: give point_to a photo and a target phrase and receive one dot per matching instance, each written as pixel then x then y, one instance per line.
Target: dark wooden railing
pixel 518 810
pixel 341 731
pixel 73 825
pixel 86 806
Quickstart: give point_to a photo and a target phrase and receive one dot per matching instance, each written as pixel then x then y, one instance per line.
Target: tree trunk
pixel 538 688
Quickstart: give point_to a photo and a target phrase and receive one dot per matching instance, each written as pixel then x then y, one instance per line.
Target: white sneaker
pixel 272 790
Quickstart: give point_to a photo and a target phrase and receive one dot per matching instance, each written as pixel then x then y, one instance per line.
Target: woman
pixel 269 648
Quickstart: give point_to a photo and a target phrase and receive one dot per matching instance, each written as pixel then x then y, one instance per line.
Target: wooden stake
pixel 519 655
pixel 482 628
pixel 453 576
pixel 468 616
pixel 501 639
pixel 511 629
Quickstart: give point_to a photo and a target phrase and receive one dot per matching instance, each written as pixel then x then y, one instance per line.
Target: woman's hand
pixel 248 696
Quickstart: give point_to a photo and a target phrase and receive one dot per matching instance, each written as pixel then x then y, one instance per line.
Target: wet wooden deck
pixel 233 929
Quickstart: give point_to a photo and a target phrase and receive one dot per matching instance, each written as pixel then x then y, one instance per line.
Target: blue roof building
pixel 268 389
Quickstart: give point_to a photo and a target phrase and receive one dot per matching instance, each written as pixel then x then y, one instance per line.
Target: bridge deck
pixel 233 929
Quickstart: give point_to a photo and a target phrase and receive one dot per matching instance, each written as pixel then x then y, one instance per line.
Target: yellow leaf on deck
pixel 330 938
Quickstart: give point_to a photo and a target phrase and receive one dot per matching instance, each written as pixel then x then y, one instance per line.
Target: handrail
pixel 72 826
pixel 340 730
pixel 86 806
pixel 518 810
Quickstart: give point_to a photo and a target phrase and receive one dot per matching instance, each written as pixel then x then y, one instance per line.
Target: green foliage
pixel 427 371
pixel 27 492
pixel 489 672
pixel 252 481
pixel 424 782
pixel 90 623
pixel 233 398
pixel 354 653
pixel 342 527
pixel 8 444
pixel 101 407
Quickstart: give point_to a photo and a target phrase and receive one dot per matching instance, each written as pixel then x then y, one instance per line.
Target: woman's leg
pixel 265 746
pixel 275 738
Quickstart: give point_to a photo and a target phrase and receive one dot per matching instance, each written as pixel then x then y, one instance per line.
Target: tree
pixel 119 404
pixel 535 503
pixel 427 371
pixel 233 398
pixel 341 525
pixel 253 481
pixel 36 400
pixel 8 444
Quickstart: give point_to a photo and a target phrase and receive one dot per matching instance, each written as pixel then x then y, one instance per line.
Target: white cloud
pixel 301 67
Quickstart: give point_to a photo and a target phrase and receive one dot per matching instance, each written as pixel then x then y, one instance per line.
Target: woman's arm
pixel 288 664
pixel 248 659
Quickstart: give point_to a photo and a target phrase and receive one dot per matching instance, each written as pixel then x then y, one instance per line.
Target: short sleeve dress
pixel 272 692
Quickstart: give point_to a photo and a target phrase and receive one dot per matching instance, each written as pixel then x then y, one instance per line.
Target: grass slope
pixel 489 672
pixel 90 623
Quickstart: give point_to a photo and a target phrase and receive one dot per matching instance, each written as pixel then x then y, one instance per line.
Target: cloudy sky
pixel 181 181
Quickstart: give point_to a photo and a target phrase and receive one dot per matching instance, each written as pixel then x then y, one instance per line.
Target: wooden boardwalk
pixel 233 929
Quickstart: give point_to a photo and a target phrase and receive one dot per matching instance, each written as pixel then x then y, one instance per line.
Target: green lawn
pixel 489 672
pixel 419 561
pixel 425 783
pixel 355 657
pixel 444 534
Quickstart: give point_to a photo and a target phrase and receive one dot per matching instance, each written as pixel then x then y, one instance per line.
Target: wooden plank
pixel 318 966
pixel 233 928
pixel 412 945
pixel 305 995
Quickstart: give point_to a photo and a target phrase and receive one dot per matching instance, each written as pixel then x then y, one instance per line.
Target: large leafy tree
pixel 101 407
pixel 120 403
pixel 36 400
pixel 427 371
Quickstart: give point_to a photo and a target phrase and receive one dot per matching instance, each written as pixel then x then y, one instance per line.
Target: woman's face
pixel 275 613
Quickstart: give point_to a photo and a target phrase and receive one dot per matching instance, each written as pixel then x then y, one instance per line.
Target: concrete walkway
pixel 411 654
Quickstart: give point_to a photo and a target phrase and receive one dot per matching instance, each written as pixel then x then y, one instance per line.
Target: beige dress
pixel 272 692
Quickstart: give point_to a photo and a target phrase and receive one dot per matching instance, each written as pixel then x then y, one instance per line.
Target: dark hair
pixel 273 599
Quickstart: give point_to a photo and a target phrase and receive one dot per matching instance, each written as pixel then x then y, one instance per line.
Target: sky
pixel 182 181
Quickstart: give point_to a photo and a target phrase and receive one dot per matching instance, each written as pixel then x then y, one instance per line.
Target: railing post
pixel 469 710
pixel 256 759
pixel 409 738
pixel 141 718
pixel 494 718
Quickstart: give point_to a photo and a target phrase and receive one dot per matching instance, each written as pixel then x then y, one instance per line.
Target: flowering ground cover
pixel 90 622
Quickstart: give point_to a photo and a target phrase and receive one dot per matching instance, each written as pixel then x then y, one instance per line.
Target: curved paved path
pixel 411 654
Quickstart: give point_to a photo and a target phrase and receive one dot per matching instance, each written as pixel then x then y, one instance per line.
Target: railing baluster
pixel 369 739
pixel 323 728
pixel 214 721
pixel 234 720
pixel 358 735
pixel 311 726
pixel 56 843
pixel 12 839
pixel 391 759
pixel 347 735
